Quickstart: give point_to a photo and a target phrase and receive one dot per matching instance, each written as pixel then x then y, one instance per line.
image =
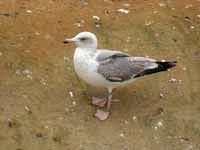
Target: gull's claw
pixel 101 115
pixel 100 102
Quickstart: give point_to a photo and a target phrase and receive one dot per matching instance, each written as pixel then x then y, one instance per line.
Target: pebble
pixel 26 71
pixel 122 10
pixel 29 11
pixel 188 6
pixel 126 5
pixel 74 103
pixel 77 24
pixel 18 72
pixel 192 27
pixel 71 94
pixel 97 20
pixel 121 134
pixel 184 68
pixel 159 124
pixel 66 59
pixel 198 16
pixel 172 79
pixel 161 95
pixel 155 12
pixel 29 76
pixel 43 82
pixel 28 109
pixel 162 4
pixel 134 118
pixel 126 122
pixel 37 33
pixel 148 23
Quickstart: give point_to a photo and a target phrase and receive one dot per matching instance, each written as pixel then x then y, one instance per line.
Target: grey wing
pixel 119 67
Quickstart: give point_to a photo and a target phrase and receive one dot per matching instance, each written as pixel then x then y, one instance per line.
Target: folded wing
pixel 116 66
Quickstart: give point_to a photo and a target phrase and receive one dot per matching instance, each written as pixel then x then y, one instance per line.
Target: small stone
pixel 172 79
pixel 27 51
pixel 155 12
pixel 188 6
pixel 172 8
pixel 28 109
pixel 43 82
pixel 77 24
pixel 126 122
pixel 97 21
pixel 163 60
pixel 66 59
pixel 97 18
pixel 184 68
pixel 126 5
pixel 162 4
pixel 192 27
pixel 148 23
pixel 74 103
pixel 126 50
pixel 198 16
pixel 46 127
pixel 159 124
pixel 29 11
pixel 157 35
pixel 155 128
pixel 37 33
pixel 121 10
pixel 29 76
pixel 134 118
pixel 121 134
pixel 26 71
pixel 161 95
pixel 71 94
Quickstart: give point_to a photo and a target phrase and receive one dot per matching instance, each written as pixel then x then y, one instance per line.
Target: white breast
pixel 86 68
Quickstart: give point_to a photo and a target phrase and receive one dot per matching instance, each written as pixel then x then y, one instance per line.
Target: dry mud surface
pixel 44 106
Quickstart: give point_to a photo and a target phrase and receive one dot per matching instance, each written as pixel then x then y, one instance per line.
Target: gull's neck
pixel 90 51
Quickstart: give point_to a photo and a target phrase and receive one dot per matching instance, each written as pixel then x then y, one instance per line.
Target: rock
pixel 122 10
pixel 97 21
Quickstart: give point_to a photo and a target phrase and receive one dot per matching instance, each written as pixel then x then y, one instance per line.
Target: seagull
pixel 109 69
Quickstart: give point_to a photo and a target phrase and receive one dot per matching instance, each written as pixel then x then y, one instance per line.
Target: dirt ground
pixel 44 106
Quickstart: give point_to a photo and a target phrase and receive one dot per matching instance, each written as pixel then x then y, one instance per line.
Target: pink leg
pixel 100 102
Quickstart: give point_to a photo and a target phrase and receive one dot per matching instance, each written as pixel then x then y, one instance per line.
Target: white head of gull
pixel 109 69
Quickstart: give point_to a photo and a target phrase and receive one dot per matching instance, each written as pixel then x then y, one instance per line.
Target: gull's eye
pixel 83 39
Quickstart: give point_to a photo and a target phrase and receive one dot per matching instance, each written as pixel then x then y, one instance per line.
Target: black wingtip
pixel 162 66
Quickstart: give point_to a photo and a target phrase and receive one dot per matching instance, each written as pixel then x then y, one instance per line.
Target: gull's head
pixel 83 40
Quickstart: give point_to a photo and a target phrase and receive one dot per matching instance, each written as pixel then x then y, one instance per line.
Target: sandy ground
pixel 158 112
